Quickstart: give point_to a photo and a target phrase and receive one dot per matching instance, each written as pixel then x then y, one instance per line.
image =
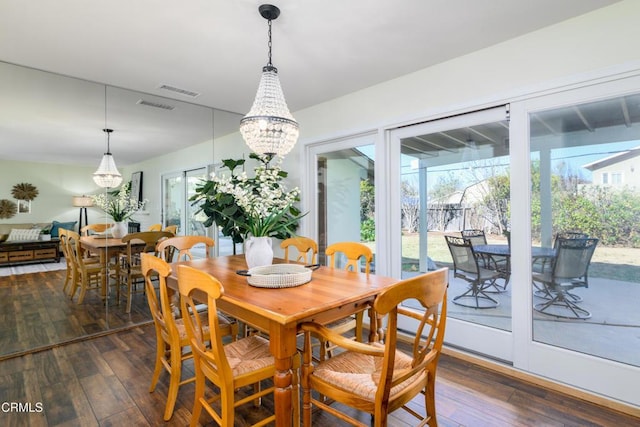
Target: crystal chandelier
pixel 107 175
pixel 269 128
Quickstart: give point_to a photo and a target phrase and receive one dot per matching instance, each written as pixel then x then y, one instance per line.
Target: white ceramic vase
pixel 258 251
pixel 119 229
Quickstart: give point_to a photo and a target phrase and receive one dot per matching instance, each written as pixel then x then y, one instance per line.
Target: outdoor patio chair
pixel 569 271
pixel 546 263
pixel 490 262
pixel 466 266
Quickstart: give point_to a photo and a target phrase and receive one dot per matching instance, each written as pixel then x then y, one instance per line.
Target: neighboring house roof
pixel 612 160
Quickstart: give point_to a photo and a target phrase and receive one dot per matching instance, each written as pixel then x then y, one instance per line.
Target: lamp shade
pixel 107 175
pixel 269 127
pixel 82 201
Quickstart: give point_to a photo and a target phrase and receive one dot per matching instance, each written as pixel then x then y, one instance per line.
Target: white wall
pixel 56 185
pixel 578 49
pixel 581 48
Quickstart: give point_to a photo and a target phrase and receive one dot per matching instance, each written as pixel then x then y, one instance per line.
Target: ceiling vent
pixel 155 104
pixel 184 92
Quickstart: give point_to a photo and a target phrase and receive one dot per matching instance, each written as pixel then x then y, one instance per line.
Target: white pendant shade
pixel 269 127
pixel 107 175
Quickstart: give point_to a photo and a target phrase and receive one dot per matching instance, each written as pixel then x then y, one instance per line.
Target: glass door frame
pixel 472 337
pixel 309 182
pixel 612 379
pixel 184 202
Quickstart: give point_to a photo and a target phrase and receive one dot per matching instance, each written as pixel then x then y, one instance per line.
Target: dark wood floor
pixel 34 312
pixel 104 381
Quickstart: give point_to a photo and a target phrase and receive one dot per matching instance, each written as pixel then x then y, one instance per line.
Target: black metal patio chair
pixel 569 271
pixel 467 266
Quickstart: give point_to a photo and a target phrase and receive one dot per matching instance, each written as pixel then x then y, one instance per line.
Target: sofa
pixel 49 227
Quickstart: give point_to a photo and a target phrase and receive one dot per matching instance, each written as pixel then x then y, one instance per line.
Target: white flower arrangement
pixel 119 206
pixel 258 206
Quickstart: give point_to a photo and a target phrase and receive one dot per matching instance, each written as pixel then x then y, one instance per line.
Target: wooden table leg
pixel 283 348
pixel 104 259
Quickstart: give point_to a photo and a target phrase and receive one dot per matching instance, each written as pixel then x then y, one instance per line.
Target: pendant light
pixel 107 175
pixel 269 128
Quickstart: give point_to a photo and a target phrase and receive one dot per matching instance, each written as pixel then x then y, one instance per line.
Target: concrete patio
pixel 613 331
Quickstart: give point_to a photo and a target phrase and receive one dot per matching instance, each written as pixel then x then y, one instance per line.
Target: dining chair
pixel 130 270
pixel 95 228
pixel 86 273
pixel 155 227
pixel 62 234
pixel 353 252
pixel 242 363
pixel 569 271
pixel 379 378
pixel 172 342
pixel 307 249
pixel 179 248
pixel 466 266
pixel 172 229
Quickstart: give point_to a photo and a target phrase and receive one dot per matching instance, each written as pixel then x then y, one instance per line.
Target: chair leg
pixel 67 279
pixel 198 397
pixel 129 293
pixel 561 301
pixel 174 382
pixel 227 407
pixel 74 284
pixel 430 400
pixel 295 394
pixel 160 350
pixel 477 292
pixel 83 289
pixel 306 370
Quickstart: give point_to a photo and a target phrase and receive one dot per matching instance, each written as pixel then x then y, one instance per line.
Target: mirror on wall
pixel 51 137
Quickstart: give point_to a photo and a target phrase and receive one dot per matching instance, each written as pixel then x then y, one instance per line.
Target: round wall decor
pixel 24 191
pixel 7 208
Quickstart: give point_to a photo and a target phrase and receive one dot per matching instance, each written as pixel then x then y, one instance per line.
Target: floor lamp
pixel 82 202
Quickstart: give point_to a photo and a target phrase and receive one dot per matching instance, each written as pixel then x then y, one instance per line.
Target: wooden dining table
pixel 332 294
pixel 106 248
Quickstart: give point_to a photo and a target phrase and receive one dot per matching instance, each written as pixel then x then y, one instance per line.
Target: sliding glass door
pixel 583 158
pixel 523 176
pixel 177 188
pixel 454 177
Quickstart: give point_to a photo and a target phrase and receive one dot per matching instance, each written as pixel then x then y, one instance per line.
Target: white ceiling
pixel 217 48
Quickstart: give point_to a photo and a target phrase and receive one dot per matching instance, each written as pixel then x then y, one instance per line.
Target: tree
pixel 410 205
pixel 445 186
pixel 367 211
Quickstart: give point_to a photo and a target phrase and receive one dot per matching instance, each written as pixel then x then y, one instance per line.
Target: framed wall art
pixel 136 186
pixel 24 206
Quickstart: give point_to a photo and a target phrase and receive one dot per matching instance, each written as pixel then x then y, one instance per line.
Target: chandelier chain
pixel 269 64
